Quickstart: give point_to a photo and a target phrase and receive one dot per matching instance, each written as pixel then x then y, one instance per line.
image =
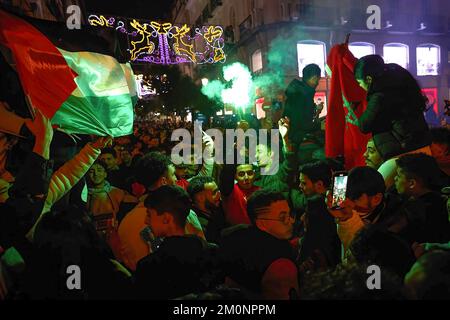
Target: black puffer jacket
pixel 300 109
pixel 394 113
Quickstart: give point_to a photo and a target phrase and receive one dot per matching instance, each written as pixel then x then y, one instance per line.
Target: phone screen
pixel 339 189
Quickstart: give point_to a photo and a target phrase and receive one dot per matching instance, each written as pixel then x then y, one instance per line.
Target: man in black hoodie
pixel 300 107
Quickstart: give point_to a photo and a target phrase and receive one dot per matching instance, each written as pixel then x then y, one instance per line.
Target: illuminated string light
pixel 164 43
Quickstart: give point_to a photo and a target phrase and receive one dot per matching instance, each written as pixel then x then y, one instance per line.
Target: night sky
pixel 144 9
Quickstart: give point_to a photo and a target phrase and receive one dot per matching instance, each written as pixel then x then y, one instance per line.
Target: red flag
pixel 46 78
pixel 347 101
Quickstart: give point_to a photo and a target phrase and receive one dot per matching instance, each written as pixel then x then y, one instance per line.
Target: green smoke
pixel 241 91
pixel 281 61
pixel 213 90
pixel 238 90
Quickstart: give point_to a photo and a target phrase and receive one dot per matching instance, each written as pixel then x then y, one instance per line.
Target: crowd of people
pixel 139 226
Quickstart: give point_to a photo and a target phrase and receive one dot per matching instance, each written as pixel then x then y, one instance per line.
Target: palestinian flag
pixel 72 76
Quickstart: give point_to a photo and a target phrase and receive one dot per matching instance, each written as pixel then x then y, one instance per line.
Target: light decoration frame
pixel 165 43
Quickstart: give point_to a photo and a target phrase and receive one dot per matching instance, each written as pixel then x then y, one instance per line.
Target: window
pixel 257 63
pixel 361 49
pixel 311 52
pixel 428 60
pixel 396 53
pixel 320 97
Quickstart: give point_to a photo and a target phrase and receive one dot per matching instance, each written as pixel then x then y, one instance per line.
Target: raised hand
pixel 346 211
pixel 42 130
pixel 40 127
pixel 283 126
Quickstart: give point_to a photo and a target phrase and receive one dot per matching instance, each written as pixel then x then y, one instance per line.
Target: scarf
pixel 106 189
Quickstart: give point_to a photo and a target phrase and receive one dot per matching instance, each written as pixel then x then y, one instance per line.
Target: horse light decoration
pixel 165 43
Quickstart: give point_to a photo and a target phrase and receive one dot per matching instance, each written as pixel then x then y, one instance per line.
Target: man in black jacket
pixel 394 114
pixel 207 204
pixel 418 178
pixel 300 107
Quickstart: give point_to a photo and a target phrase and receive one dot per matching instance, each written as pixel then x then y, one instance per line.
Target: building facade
pixel 414 34
pixel 53 10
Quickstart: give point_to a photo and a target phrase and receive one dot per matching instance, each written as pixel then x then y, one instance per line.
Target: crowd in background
pixel 140 225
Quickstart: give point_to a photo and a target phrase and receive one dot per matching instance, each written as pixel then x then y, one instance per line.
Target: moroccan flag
pixel 72 76
pixel 347 101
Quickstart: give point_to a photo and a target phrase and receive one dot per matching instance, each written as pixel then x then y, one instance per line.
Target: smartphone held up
pixel 339 189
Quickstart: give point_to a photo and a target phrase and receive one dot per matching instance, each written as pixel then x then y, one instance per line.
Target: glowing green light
pixel 241 89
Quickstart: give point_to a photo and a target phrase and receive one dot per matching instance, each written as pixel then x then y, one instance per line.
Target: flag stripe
pixel 45 76
pixel 107 118
pixel 99 75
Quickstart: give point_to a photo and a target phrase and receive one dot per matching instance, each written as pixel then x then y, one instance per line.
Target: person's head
pixel 311 75
pixel 374 244
pixel 366 188
pixel 416 174
pixel 181 169
pixel 204 193
pixel 367 69
pixel 372 156
pixel 167 210
pixel 429 278
pixel 440 142
pixel 126 157
pixel 97 174
pixel 245 176
pixel 269 211
pixel 267 151
pixel 109 158
pixel 315 178
pixel 264 155
pixel 154 170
